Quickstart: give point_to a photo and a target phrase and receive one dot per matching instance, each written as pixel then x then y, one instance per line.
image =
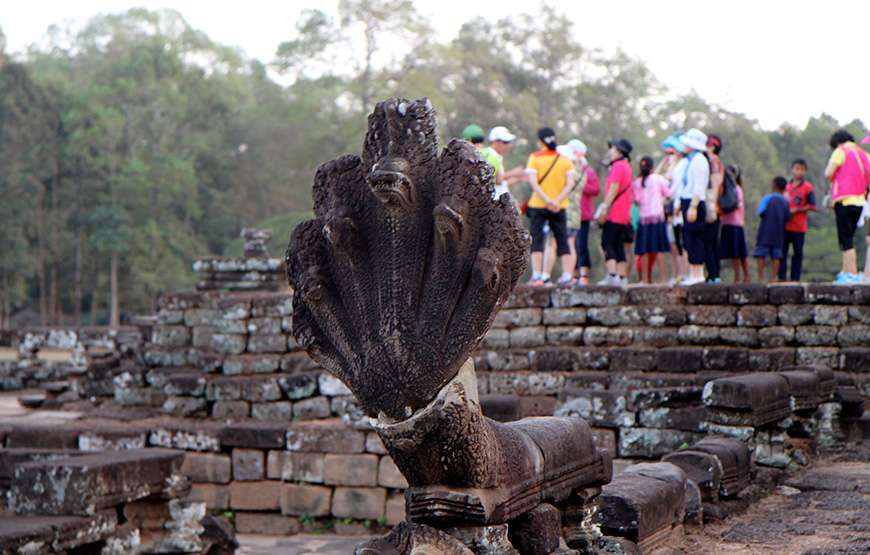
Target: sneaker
pixel 847 279
pixel 865 279
pixel 609 280
pixel 535 283
pixel 565 280
pixel 692 281
pixel 715 280
pixel 582 280
pixel 621 281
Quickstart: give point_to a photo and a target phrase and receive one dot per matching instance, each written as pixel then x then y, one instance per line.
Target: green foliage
pixel 138 136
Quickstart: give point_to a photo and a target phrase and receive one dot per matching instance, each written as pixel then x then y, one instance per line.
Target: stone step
pixel 85 484
pixel 747 400
pixel 804 389
pixel 643 504
pixel 44 535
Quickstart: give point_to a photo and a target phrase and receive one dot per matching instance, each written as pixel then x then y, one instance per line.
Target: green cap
pixel 473 132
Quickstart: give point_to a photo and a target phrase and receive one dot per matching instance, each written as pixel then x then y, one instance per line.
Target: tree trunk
pixel 114 311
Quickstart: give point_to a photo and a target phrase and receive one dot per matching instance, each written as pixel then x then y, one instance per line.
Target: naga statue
pixel 396 280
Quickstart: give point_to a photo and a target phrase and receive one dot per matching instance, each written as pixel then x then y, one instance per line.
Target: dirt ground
pixel 822 510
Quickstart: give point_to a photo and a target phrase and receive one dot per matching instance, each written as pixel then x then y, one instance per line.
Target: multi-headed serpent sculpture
pixel 396 281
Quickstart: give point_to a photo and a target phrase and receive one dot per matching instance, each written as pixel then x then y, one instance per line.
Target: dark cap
pixel 548 137
pixel 622 145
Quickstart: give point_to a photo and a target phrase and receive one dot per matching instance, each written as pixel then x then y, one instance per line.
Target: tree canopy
pixel 135 143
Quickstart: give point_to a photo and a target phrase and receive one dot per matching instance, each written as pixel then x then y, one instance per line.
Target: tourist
pixel 473 133
pixel 774 213
pixel 589 189
pixel 848 171
pixel 614 214
pixel 673 149
pixel 693 178
pixel 500 142
pixel 552 178
pixel 650 191
pixel 732 245
pixel 866 278
pixel 711 222
pixel 801 199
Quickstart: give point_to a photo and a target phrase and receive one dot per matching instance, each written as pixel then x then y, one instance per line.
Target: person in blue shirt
pixel 774 213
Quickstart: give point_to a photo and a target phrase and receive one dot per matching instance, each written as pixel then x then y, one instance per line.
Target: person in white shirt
pixel 693 177
pixel 500 142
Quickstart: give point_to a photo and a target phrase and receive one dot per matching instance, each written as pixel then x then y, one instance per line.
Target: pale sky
pixel 774 60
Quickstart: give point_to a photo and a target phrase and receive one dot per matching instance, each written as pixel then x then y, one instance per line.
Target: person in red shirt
pixel 801 200
pixel 615 213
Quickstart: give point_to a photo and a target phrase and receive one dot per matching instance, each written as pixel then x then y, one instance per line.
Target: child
pixel 801 199
pixel 650 191
pixel 774 213
pixel 732 244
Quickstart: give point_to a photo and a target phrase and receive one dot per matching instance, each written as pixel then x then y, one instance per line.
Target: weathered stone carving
pixel 396 281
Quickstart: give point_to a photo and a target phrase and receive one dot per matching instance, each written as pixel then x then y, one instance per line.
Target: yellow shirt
pixel 552 186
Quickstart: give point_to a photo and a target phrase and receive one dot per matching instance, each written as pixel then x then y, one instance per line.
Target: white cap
pixel 501 134
pixel 566 151
pixel 694 139
pixel 578 146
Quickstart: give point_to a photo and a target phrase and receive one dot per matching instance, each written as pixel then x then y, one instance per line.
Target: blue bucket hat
pixel 673 142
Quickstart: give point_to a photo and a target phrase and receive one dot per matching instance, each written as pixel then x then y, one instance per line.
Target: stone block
pixel 770 360
pixel 730 359
pixel 855 359
pixel 496 338
pixel 819 356
pixel 565 335
pixel 605 439
pixel 566 359
pixel 780 294
pixel 298 467
pixel 652 443
pixel 311 408
pixel 261 389
pixel 854 336
pixel 389 475
pixel 617 315
pixel 170 336
pixel 686 418
pixel 170 317
pixel 254 435
pixel 525 383
pixel 305 500
pixel 655 295
pixel 816 336
pixel 537 531
pixel 234 308
pixel 536 405
pixel 207 467
pixel 374 444
pixel 747 294
pixel 517 317
pixel 298 386
pixel 827 315
pixel 223 389
pixel 698 335
pixel 527 337
pixel 230 410
pixel 267 344
pixel 657 337
pixel 277 411
pixel 266 524
pixel 633 359
pixel 361 503
pixel 297 362
pixel 707 294
pixel 200 317
pixel 185 406
pixel 564 297
pixel 502 408
pixel 395 510
pixel 740 336
pixel 248 464
pixel 859 314
pixel 568 316
pixel 331 386
pixel 680 359
pixel 255 496
pixel 747 400
pixel 704 469
pixel 350 470
pixel 325 437
pixel 775 336
pixel 757 315
pixel 602 335
pixel 229 344
pixel 529 297
pixel 826 293
pixel 146 514
pixel 796 314
pixel 84 484
pixel 251 364
pixel 239 327
pixel 215 496
pixel 201 337
pixel 712 315
pixel 264 326
pixel 608 408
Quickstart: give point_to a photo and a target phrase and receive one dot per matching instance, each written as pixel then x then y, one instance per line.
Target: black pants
pixel 613 239
pixel 693 233
pixel 847 225
pixel 581 245
pixel 711 249
pixel 796 239
pixel 558 227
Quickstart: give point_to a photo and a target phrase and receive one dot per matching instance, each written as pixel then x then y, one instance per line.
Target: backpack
pixel 728 200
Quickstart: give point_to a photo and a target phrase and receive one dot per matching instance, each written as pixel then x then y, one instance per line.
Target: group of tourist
pixel 682 215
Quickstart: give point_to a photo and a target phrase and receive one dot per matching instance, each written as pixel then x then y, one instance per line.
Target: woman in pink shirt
pixel 732 244
pixel 650 191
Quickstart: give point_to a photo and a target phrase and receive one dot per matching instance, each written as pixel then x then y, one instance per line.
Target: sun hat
pixel 673 142
pixel 567 152
pixel 578 146
pixel 548 137
pixel 695 139
pixel 473 133
pixel 502 134
pixel 622 145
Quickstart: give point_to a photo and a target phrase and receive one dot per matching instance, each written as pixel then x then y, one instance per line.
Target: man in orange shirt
pixel 801 200
pixel 552 178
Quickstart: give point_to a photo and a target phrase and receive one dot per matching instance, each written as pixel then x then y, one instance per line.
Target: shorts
pixel 847 225
pixel 627 233
pixel 766 251
pixel 541 218
pixel 613 240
